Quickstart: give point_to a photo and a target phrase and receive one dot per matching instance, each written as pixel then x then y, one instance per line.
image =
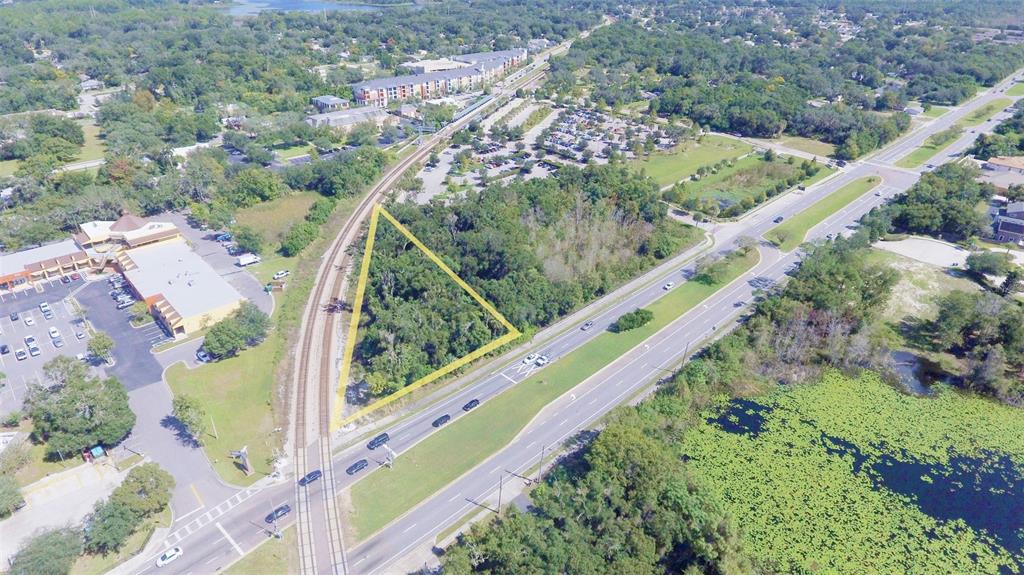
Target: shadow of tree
pixel 180 431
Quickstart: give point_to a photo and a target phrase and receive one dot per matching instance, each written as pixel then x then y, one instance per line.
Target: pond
pixel 251 7
pixel 854 476
pixel 917 374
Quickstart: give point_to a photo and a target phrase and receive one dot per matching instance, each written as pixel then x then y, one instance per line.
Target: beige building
pixel 182 291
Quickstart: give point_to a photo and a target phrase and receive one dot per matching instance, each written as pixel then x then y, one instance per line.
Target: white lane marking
pixel 507 377
pixel 201 507
pixel 230 540
pixel 409 528
pixel 454 497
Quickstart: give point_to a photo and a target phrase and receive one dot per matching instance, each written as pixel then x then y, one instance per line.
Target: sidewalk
pixel 60 499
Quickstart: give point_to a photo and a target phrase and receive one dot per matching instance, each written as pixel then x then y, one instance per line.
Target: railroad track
pixel 314 380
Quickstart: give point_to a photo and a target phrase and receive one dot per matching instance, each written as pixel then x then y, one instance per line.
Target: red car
pixel 75 277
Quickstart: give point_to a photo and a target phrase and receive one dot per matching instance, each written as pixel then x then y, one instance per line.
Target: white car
pixel 29 321
pixel 54 334
pixel 44 307
pixel 530 359
pixel 30 340
pixel 668 286
pixel 282 274
pixel 169 556
pixel 542 361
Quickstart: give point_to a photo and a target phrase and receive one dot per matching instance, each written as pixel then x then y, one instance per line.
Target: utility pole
pixel 501 481
pixel 273 513
pixel 540 462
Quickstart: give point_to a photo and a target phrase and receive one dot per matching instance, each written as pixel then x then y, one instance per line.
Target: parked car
pixel 48 314
pixel 29 340
pixel 378 441
pixel 587 325
pixel 65 280
pixel 203 356
pixel 282 274
pixel 357 467
pixel 54 332
pixel 29 321
pixel 58 342
pixel 44 306
pixel 21 355
pixel 79 335
pixel 4 350
pixel 441 420
pixel 34 351
pixel 76 276
pixel 311 477
pixel 14 316
pixel 125 304
pixel 471 404
pixel 278 513
pixel 168 556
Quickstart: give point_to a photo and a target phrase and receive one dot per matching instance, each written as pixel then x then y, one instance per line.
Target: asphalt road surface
pixel 234 527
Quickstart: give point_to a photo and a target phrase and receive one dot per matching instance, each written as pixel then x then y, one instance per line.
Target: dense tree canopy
pixel 74 410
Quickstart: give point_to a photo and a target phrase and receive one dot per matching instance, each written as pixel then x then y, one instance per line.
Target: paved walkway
pixel 59 499
pixel 929 251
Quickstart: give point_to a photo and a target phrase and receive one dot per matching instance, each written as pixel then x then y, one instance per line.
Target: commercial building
pixel 181 290
pixel 347 119
pixel 428 66
pixel 127 232
pixel 42 263
pixel 477 70
pixel 1014 164
pixel 329 103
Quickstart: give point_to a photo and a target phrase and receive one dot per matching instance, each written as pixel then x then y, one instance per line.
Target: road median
pixel 788 235
pixel 456 449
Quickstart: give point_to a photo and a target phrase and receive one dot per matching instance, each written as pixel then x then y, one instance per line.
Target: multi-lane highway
pixel 219 537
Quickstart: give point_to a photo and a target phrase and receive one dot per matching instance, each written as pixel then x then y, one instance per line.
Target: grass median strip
pixel 932 146
pixel 982 114
pixel 788 235
pixel 455 449
pixel 1016 90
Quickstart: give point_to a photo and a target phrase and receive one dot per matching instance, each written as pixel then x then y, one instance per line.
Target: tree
pixel 140 312
pixel 986 369
pixel 110 525
pixel 10 495
pixel 989 263
pixel 191 414
pixel 1012 281
pixel 255 185
pixel 100 345
pixel 632 320
pixel 49 552
pixel 252 322
pixel 146 491
pixel 75 410
pixel 248 239
pixel 225 338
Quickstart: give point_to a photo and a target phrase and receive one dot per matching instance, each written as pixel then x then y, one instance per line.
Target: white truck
pixel 248 260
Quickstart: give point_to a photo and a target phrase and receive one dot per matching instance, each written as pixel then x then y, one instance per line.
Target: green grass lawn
pixel 38 466
pixel 455 449
pixel 982 114
pixel 236 393
pixel 100 564
pixel 8 167
pixel 808 145
pixel 935 112
pixel 294 151
pixel 748 177
pixel 790 234
pixel 270 558
pixel 682 162
pixel 1016 90
pixel 920 285
pixel 930 148
pixel 94 147
pixel 273 219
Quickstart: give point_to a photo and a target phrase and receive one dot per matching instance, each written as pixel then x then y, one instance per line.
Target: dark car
pixel 278 513
pixel 778 220
pixel 357 467
pixel 65 280
pixel 4 350
pixel 378 441
pixel 587 325
pixel 14 316
pixel 311 477
pixel 441 420
pixel 472 403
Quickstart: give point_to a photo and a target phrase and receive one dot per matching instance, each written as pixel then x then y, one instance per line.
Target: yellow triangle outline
pixel 357 308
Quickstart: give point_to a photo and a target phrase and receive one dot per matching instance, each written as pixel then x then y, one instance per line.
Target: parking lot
pixel 31 322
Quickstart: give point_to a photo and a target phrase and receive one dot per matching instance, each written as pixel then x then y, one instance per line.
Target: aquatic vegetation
pixel 852 476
